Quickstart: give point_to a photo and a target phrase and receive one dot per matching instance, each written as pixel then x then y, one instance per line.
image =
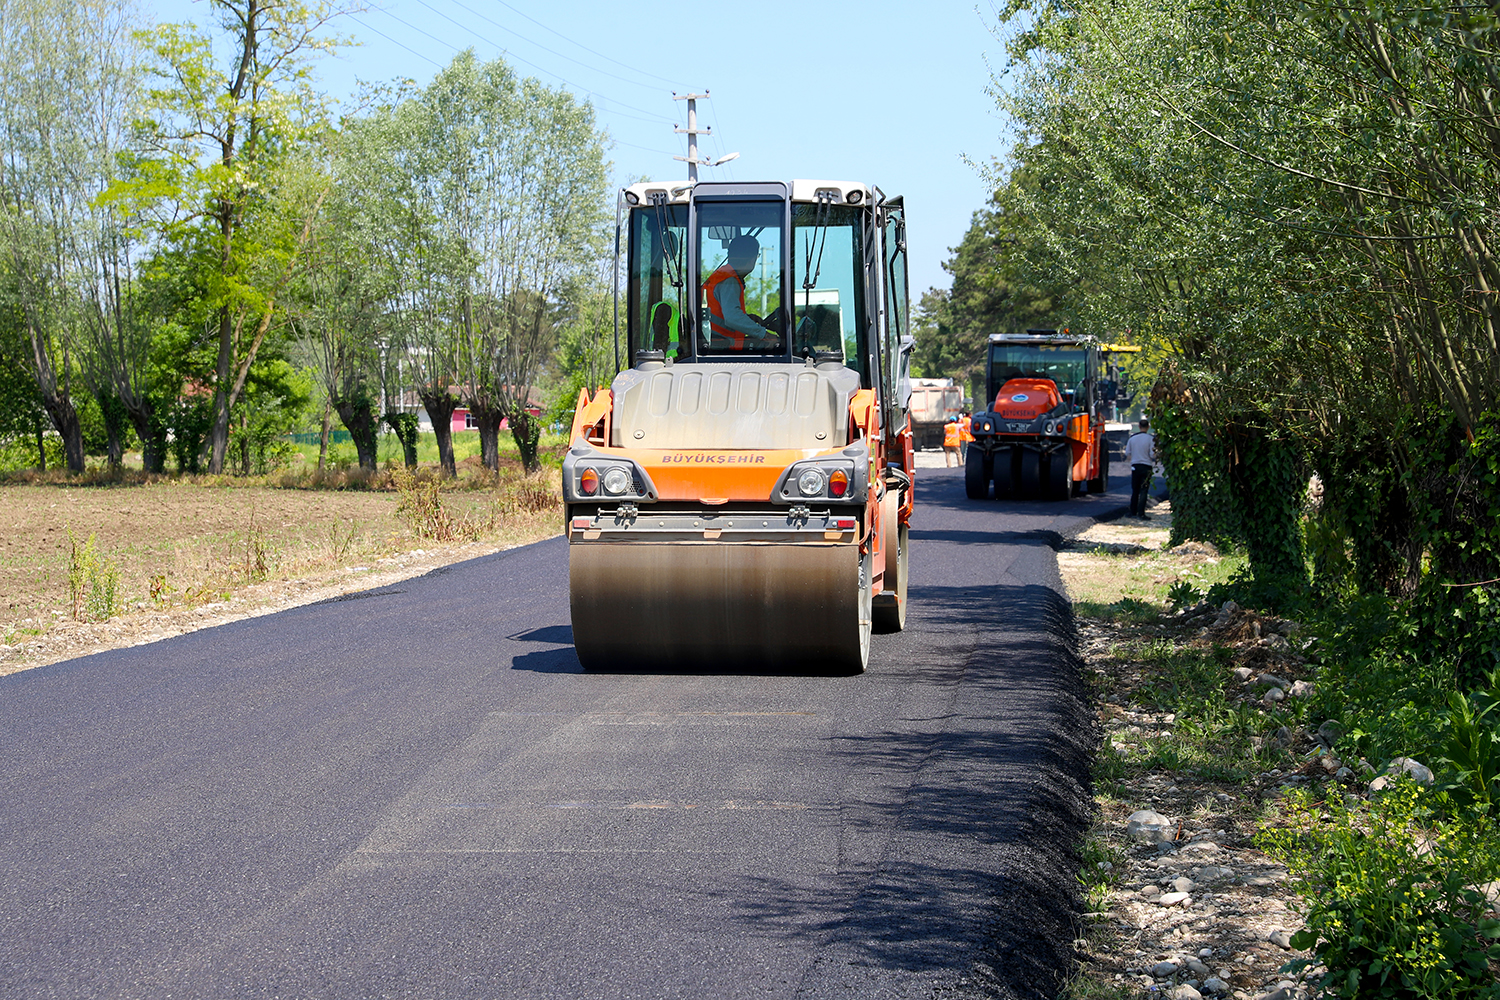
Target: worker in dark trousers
pixel 1140 452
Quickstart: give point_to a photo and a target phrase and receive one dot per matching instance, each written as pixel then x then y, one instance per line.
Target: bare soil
pixel 187 555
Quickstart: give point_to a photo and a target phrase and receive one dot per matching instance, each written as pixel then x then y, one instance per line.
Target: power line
pixel 612 139
pixel 395 42
pixel 512 56
pixel 471 10
pixel 582 46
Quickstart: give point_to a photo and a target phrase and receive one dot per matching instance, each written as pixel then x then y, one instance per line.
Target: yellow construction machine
pixel 738 498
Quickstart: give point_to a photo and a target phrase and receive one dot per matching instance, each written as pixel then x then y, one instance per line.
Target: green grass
pixel 1134 588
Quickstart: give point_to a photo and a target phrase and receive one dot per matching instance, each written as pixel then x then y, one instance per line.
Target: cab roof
pixel 801 190
pixel 1051 338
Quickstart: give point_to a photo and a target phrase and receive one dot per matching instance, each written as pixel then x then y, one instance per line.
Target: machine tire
pixel 890 605
pixel 1101 483
pixel 1004 462
pixel 1031 473
pixel 978 471
pixel 1060 474
pixel 866 612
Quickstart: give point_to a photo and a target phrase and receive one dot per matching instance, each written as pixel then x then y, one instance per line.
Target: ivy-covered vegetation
pixel 1291 205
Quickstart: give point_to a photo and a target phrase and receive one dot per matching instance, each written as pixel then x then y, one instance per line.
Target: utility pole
pixel 692 131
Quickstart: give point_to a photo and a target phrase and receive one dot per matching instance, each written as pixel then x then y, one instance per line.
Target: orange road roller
pixel 738 498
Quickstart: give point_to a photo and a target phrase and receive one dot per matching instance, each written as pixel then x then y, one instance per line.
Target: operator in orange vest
pixel 725 291
pixel 952 437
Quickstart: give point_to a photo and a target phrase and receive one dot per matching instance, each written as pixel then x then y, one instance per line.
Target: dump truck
pixel 1043 433
pixel 738 498
pixel 934 402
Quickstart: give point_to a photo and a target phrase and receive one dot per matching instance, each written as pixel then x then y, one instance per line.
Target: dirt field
pixel 187 555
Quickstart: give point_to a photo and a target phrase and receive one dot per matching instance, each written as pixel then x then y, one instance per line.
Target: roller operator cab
pixel 1043 434
pixel 738 498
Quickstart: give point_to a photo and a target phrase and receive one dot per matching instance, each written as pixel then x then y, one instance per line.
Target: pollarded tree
pixel 522 180
pixel 335 302
pixel 67 79
pixel 391 167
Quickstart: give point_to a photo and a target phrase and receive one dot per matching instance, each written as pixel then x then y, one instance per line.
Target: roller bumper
pixel 628 524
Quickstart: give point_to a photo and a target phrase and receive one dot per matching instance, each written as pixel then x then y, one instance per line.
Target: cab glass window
pixel 657 292
pixel 828 288
pixel 1065 365
pixel 739 278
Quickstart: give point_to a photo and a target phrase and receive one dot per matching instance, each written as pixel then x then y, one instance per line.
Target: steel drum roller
pixel 718 606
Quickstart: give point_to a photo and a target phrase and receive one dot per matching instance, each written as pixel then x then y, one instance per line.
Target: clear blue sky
pixel 884 92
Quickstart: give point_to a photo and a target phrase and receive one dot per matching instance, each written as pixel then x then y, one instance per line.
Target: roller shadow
pixel 564 660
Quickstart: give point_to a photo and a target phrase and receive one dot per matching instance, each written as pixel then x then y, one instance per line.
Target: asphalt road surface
pixel 417 792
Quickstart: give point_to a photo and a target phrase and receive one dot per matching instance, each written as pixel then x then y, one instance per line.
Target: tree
pixel 219 145
pixel 336 304
pixel 522 184
pixel 1294 200
pixel 390 167
pixel 67 77
pixel 585 354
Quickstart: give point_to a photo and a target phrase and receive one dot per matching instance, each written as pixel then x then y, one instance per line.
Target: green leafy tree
pixel 1294 201
pixel 219 174
pixel 391 171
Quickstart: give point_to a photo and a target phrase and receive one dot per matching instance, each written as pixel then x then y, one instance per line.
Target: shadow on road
pixel 1042 536
pixel 1005 768
pixel 944 488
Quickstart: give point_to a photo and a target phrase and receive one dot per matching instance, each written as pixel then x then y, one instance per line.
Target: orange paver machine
pixel 738 498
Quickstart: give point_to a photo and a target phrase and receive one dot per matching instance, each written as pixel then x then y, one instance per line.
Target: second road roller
pixel 738 497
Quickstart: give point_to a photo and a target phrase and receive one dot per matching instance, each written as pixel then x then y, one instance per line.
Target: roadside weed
pixel 93 581
pixel 1394 892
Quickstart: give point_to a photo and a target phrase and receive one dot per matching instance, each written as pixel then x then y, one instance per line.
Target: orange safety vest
pixel 716 313
pixel 951 434
pixel 965 431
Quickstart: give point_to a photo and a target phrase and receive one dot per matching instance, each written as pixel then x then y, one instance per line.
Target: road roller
pixel 1043 433
pixel 738 497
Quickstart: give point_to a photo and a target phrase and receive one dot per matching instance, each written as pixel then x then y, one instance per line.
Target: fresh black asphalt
pixel 417 792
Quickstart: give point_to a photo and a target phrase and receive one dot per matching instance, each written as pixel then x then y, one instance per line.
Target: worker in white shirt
pixel 1140 452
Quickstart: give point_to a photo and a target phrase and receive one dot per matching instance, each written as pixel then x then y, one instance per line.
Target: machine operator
pixel 725 289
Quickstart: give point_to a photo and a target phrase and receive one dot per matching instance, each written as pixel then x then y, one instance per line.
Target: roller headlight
pixel 616 481
pixel 1051 427
pixel 810 483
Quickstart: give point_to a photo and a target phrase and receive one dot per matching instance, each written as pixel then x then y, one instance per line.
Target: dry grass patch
pixel 180 546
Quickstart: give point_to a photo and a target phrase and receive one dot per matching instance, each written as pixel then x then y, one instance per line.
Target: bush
pixel 19 453
pixel 1395 907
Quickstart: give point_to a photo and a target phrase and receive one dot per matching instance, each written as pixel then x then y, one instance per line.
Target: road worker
pixel 1140 452
pixel 953 436
pixel 728 322
pixel 965 436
